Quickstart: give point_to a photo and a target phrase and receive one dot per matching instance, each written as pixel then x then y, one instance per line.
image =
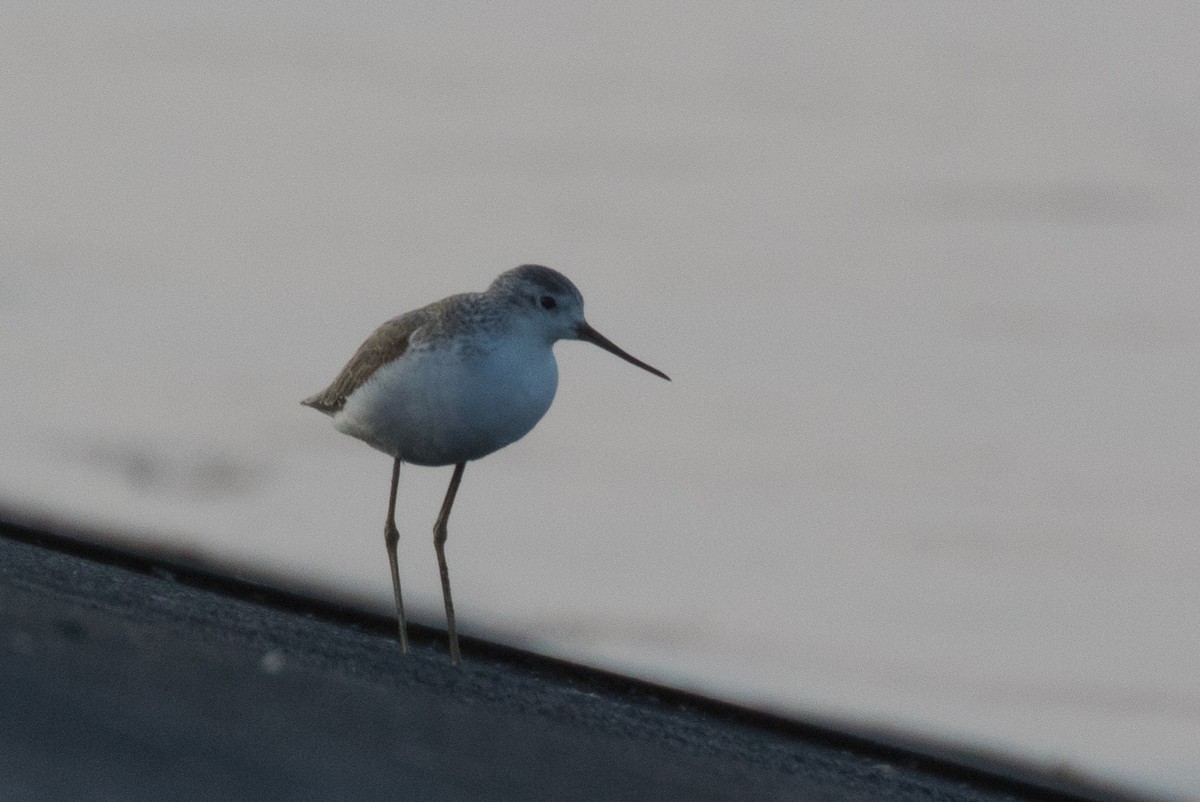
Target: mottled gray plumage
pixel 435 321
pixel 388 342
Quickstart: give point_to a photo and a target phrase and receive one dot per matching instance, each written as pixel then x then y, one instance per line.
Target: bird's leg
pixel 391 537
pixel 439 543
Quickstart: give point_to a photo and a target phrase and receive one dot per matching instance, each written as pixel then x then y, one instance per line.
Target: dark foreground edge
pixel 126 676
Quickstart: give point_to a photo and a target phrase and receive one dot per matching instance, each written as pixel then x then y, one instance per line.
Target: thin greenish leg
pixel 439 544
pixel 391 536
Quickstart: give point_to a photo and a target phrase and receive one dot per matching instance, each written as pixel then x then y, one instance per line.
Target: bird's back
pixel 386 344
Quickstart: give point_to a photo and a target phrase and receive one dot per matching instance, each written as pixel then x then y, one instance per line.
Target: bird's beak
pixel 587 333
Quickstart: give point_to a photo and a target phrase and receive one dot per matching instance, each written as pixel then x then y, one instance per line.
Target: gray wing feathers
pixel 388 342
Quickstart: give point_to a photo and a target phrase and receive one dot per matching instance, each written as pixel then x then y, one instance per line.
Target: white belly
pixel 443 406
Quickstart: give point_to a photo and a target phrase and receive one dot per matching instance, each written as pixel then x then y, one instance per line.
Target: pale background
pixel 925 276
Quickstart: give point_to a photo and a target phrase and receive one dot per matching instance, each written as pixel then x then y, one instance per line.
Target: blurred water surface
pixel 924 277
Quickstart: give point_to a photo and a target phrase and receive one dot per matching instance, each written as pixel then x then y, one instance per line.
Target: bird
pixel 454 381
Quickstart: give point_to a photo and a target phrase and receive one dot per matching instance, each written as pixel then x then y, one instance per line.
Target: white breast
pixel 442 405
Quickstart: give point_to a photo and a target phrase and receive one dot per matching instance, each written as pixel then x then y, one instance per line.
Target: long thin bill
pixel 590 335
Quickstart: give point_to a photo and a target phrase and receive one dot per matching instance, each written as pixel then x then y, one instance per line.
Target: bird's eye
pixel 547 302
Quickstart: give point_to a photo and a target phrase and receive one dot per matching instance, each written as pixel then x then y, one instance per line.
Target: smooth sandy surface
pixel 925 278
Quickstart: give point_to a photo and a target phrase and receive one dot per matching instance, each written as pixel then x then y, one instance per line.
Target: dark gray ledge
pixel 130 677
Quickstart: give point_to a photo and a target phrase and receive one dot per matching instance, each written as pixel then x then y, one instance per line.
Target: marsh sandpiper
pixel 456 380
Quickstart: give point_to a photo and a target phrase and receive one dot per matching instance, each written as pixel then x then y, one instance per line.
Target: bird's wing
pixel 388 342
